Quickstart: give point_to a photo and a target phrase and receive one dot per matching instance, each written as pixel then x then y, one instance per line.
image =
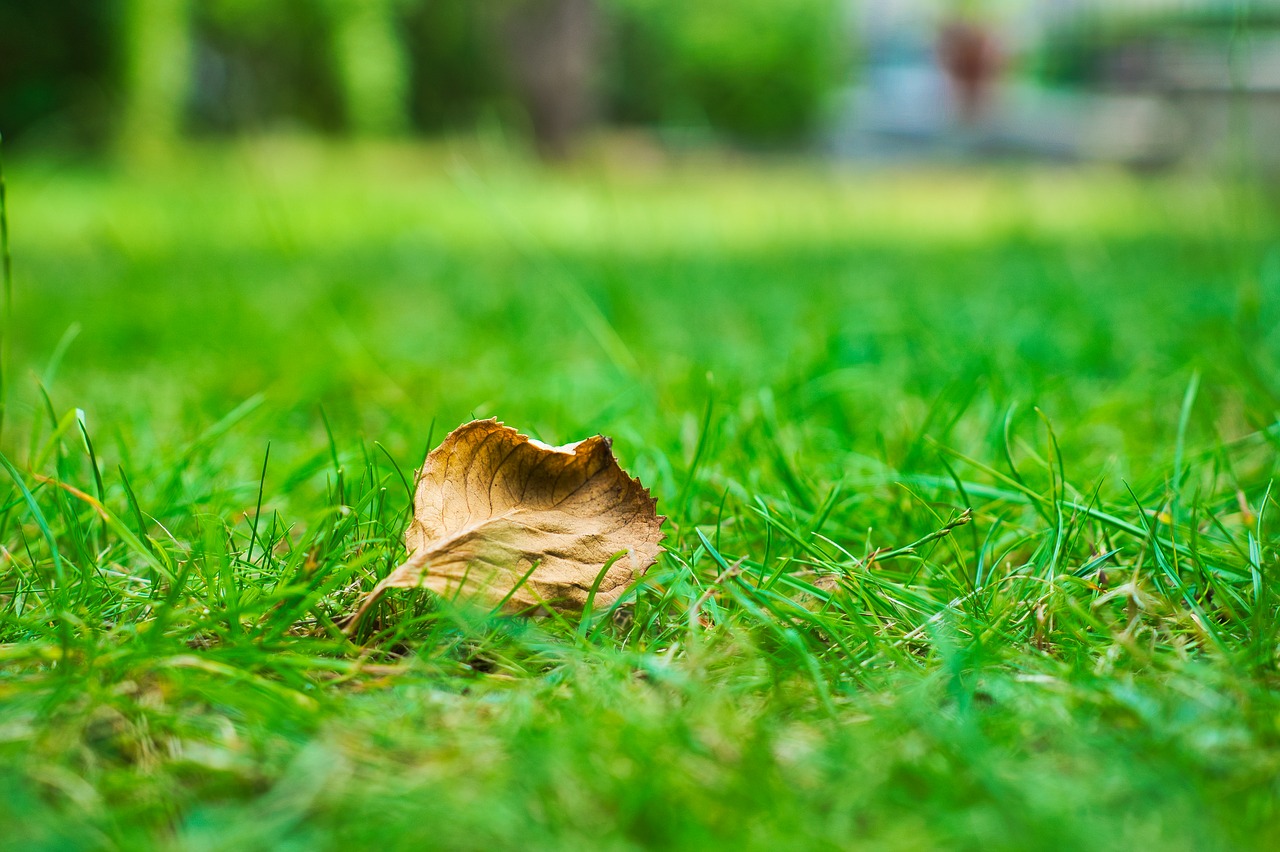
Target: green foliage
pixel 54 59
pixel 457 72
pixel 1077 53
pixel 758 70
pixel 261 65
pixel 973 540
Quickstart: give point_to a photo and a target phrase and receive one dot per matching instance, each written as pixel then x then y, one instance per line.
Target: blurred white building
pixel 1151 81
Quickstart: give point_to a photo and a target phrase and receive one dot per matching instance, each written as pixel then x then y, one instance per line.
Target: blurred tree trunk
pixel 552 49
pixel 157 75
pixel 372 67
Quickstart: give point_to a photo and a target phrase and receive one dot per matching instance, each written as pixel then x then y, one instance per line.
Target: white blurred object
pixel 1169 95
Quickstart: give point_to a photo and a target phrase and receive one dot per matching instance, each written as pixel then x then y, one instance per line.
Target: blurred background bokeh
pixel 1143 83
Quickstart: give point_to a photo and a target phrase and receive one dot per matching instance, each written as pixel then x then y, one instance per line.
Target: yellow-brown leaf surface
pixel 491 504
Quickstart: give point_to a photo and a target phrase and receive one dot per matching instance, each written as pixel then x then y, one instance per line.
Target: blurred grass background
pixel 395 284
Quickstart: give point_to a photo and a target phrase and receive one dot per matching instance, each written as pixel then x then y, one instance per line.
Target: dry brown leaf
pixel 492 503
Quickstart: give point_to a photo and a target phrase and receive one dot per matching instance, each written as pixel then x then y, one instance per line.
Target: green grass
pixel 224 371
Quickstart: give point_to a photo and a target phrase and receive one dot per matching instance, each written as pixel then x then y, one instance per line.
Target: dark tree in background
pixel 552 50
pixel 56 64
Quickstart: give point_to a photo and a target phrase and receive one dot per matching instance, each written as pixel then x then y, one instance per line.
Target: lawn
pixel 971 542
